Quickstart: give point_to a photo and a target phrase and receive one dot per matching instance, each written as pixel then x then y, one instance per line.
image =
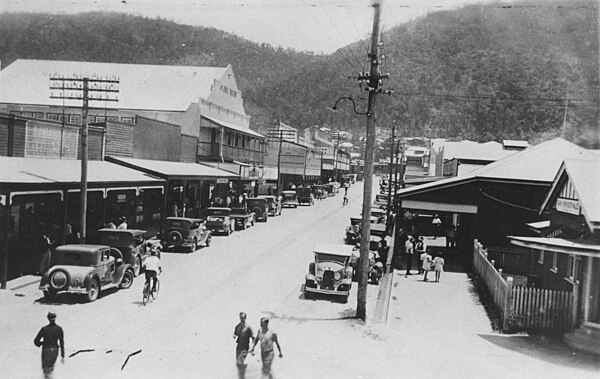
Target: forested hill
pixel 482 72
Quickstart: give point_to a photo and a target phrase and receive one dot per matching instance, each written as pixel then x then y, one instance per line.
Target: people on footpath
pixel 420 248
pixel 426 264
pixel 438 266
pixel 267 338
pixel 409 251
pixel 50 338
pixel 46 249
pixel 436 223
pixel 242 334
pixel 383 249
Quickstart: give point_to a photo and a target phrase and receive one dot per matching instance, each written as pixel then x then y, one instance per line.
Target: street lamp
pixel 334 108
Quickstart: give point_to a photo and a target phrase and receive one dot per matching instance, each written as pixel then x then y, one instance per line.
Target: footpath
pixel 441 330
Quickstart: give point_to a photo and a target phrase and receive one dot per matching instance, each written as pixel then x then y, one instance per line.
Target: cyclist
pixel 152 267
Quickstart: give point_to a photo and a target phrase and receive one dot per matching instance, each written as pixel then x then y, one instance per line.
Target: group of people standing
pixel 415 249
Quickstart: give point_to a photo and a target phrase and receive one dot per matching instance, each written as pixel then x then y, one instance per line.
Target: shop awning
pixel 439 207
pixel 558 245
pixel 19 172
pixel 174 170
pixel 237 128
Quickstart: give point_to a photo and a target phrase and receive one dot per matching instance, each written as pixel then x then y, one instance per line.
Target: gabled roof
pixel 142 87
pixel 585 177
pixel 537 164
pixel 488 151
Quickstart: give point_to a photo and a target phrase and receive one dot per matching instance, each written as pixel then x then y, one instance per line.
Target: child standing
pixel 438 266
pixel 426 265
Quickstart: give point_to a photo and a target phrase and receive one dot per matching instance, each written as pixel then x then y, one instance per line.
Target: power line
pixel 336 29
pixel 494 98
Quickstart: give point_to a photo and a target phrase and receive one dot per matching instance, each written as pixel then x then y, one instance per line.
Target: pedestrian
pixel 45 262
pixel 420 248
pixel 426 260
pixel 345 201
pixel 438 266
pixel 122 223
pixel 49 338
pixel 409 250
pixel 451 237
pixel 267 338
pixel 384 251
pixel 436 223
pixel 242 334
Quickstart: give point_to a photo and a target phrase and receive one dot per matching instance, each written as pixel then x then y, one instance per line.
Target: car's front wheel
pixel 127 280
pixel 94 291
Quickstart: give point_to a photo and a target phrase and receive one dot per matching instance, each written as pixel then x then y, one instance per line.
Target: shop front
pixel 42 197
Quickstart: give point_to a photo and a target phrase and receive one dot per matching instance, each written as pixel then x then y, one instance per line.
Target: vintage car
pixel 243 217
pixel 273 204
pixel 380 214
pixel 319 191
pixel 331 272
pixel 218 220
pixel 305 195
pixel 181 232
pixel 260 207
pixel 330 189
pixel 381 200
pixel 86 269
pixel 290 199
pixel 132 244
pixel 375 269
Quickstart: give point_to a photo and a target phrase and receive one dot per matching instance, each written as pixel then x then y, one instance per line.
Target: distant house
pixel 495 200
pixel 568 245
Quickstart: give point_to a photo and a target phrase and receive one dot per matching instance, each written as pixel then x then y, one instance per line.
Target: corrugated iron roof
pixel 16 170
pixel 488 151
pixel 168 169
pixel 142 87
pixel 235 127
pixel 539 163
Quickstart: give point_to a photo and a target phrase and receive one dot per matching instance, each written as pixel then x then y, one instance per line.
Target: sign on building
pixel 568 206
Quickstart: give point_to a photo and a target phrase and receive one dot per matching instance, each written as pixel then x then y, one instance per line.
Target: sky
pixel 321 26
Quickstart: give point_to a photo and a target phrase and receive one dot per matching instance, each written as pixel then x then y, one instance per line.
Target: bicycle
pixel 147 293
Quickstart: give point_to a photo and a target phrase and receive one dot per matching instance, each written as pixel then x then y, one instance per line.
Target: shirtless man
pixel 266 338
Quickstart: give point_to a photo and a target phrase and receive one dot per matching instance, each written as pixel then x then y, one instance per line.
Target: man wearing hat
pixel 48 338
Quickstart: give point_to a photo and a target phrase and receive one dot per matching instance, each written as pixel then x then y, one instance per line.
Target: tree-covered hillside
pixel 481 72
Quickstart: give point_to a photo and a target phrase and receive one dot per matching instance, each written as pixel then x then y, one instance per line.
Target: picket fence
pixel 524 308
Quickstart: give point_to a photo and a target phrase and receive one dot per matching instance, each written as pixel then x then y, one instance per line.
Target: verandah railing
pixel 522 307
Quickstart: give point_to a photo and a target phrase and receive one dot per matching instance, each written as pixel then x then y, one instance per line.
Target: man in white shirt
pixel 420 248
pixel 122 223
pixel 152 267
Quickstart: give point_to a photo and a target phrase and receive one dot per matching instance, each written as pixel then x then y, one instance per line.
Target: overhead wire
pixel 337 31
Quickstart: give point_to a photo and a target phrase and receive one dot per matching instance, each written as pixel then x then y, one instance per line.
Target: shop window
pixel 100 118
pixel 52 116
pixel 113 118
pixel 127 120
pixel 38 115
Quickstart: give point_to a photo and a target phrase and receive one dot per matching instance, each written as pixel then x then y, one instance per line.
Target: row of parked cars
pixel 118 256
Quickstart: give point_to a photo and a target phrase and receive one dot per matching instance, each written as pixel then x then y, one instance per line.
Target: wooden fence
pixel 516 261
pixel 522 307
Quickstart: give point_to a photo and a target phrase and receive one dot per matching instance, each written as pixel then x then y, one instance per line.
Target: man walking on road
pixel 48 338
pixel 266 338
pixel 242 334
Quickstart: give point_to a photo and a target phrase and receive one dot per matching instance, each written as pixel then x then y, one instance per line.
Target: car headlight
pixel 337 276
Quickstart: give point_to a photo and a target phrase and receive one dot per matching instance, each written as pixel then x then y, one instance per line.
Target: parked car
pixel 86 270
pixel 319 191
pixel 243 217
pixel 381 200
pixel 273 205
pixel 375 270
pixel 290 199
pixel 305 195
pixel 330 273
pixel 181 232
pixel 132 244
pixel 218 219
pixel 260 207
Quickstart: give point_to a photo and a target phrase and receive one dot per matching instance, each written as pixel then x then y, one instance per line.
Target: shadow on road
pixel 556 352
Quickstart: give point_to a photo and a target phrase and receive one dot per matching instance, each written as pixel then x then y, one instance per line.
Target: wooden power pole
pixel 373 79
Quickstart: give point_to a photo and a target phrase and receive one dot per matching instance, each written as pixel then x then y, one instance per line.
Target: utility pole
pixel 390 192
pixel 79 88
pixel 373 78
pixel 335 135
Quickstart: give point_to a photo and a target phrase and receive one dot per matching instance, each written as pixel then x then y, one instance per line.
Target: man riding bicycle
pixel 152 267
